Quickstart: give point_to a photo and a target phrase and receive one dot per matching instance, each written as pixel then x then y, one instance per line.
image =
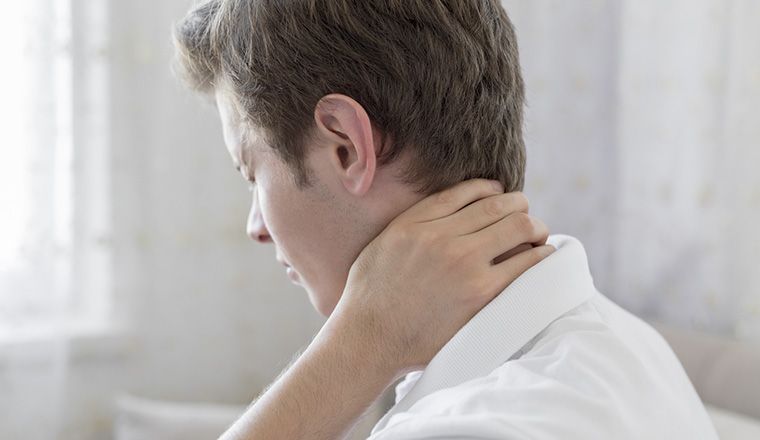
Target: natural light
pixel 13 109
pixel 35 161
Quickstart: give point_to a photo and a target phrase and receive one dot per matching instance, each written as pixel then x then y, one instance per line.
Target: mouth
pixel 292 274
pixel 281 261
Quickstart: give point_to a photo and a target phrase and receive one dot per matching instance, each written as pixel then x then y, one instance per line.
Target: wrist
pixel 360 339
pixel 334 381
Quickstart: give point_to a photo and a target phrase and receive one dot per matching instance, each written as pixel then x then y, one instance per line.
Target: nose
pixel 255 227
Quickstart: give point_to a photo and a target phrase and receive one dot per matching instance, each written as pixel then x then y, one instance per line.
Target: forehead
pixel 242 142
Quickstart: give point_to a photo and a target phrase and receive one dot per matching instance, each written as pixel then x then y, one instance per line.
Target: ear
pixel 347 133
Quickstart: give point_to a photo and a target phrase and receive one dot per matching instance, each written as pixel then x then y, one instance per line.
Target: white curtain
pixel 644 141
pixel 54 253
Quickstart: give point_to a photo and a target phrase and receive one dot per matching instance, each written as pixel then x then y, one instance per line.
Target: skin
pixel 396 273
pixel 320 231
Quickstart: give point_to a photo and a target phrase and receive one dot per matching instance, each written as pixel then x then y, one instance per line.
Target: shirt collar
pixel 543 293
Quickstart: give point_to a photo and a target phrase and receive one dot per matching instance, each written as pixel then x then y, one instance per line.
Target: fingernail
pixel 497 185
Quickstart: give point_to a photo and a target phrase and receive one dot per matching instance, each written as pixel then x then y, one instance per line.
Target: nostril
pixel 263 238
pixel 256 229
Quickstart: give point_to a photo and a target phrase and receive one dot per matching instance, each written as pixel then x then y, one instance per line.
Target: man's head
pixel 346 113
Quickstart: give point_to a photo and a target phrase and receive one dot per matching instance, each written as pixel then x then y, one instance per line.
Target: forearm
pixel 322 394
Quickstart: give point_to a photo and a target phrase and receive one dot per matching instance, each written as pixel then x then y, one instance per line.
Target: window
pixel 54 228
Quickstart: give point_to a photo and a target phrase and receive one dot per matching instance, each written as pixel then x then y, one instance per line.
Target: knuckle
pixel 523 198
pixel 537 255
pixel 541 229
pixel 525 223
pixel 494 207
pixel 520 201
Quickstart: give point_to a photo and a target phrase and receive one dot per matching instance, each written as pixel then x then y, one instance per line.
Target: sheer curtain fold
pixel 54 227
pixel 687 248
pixel 643 140
pixel 34 232
pixel 36 260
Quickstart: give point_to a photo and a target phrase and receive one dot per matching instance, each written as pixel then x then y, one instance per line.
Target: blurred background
pixel 132 305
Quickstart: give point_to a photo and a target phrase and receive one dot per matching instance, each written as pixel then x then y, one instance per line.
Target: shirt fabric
pixel 550 357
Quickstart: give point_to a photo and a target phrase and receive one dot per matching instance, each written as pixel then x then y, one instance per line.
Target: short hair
pixel 441 78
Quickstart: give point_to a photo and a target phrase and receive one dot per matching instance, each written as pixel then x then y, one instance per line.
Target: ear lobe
pixel 347 133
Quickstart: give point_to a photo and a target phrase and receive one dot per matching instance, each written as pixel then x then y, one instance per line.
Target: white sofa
pixel 725 373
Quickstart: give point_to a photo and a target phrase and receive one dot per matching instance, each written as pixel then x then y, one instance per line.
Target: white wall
pixel 183 260
pixel 216 314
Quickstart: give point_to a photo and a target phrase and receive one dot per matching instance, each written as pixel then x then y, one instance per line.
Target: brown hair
pixel 439 77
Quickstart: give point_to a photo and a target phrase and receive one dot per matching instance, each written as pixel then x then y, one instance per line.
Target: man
pixel 360 125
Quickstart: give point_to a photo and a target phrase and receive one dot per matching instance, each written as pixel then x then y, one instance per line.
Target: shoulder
pixel 513 402
pixel 579 378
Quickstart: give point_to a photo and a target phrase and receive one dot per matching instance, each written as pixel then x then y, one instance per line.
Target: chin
pixel 323 304
pixel 324 308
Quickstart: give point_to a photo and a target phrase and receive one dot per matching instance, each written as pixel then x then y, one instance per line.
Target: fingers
pixel 507 233
pixel 504 273
pixel 485 212
pixel 451 200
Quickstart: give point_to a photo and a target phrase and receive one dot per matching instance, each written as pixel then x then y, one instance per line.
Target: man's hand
pixel 409 291
pixel 432 269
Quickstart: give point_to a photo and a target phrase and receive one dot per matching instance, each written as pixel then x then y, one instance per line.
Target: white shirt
pixel 550 358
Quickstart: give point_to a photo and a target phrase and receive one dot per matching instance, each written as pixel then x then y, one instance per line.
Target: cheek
pixel 313 234
pixel 310 239
pixel 286 220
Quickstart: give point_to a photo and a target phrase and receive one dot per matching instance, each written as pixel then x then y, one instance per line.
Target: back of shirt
pixel 597 371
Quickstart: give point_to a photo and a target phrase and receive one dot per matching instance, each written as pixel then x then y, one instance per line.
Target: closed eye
pixel 251 181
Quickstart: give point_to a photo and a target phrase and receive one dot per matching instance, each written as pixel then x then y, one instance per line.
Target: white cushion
pixel 146 419
pixel 733 426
